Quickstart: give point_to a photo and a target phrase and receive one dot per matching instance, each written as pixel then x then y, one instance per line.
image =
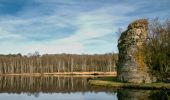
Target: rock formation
pixel 131 63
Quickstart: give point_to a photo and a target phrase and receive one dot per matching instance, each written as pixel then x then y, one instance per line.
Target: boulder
pixel 131 65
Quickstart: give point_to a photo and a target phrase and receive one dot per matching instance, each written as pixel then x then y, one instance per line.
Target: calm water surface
pixel 68 88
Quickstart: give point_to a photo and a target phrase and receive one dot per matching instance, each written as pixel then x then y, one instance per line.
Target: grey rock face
pixel 131 64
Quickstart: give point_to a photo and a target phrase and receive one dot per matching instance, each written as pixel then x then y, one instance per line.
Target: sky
pixel 70 26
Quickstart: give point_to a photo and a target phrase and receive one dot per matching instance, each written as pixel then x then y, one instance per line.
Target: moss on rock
pixel 131 63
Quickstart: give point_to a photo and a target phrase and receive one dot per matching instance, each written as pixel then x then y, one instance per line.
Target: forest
pixel 52 63
pixel 157 48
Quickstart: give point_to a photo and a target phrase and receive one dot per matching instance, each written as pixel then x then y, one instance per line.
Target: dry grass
pixel 61 73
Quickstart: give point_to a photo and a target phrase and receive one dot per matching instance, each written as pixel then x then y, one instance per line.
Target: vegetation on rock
pixel 131 65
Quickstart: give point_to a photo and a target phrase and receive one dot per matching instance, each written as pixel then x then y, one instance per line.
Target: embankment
pixel 115 84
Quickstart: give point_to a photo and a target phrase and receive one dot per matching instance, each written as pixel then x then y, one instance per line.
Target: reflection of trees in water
pixel 161 95
pixel 50 84
pixel 131 94
pixel 32 86
pixel 34 94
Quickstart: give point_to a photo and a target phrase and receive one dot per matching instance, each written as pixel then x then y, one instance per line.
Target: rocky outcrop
pixel 131 63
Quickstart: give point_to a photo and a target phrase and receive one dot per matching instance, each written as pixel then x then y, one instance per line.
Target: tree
pixel 157 48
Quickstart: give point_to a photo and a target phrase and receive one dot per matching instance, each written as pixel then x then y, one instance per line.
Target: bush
pixel 157 48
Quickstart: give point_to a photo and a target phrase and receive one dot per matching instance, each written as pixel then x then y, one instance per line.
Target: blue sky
pixel 70 26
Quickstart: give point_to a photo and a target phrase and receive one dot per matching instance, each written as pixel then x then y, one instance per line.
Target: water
pixel 68 88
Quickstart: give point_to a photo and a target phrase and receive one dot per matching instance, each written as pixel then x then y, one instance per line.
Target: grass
pixel 113 83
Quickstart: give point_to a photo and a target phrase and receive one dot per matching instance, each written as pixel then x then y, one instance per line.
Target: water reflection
pixel 68 88
pixel 131 94
pixel 51 88
pixel 46 84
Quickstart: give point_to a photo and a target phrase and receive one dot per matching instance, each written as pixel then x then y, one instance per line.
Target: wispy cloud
pixel 97 24
pixel 56 26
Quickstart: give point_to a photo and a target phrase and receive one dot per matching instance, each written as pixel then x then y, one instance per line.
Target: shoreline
pixel 117 85
pixel 63 73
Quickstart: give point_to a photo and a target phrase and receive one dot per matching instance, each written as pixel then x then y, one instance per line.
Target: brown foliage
pixel 157 48
pixel 56 63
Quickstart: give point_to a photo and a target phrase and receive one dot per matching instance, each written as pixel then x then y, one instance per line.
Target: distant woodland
pixel 51 63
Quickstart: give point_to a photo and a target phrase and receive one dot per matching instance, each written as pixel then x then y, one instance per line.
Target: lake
pixel 68 88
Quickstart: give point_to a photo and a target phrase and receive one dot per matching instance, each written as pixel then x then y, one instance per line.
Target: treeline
pixel 57 63
pixel 157 48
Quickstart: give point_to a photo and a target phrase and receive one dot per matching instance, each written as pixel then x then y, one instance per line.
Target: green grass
pixel 113 83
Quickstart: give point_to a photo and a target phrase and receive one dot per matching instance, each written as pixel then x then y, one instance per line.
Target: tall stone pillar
pixel 131 63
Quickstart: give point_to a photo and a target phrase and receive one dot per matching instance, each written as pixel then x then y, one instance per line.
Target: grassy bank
pixel 112 83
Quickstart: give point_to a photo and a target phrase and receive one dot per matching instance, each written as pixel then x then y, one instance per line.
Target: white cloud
pixel 7 35
pixel 96 23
